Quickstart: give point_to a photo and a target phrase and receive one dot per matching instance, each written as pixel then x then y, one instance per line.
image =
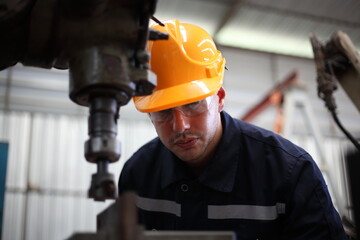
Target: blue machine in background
pixel 3 165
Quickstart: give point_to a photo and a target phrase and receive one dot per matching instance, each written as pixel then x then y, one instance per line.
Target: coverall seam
pixel 274 146
pixel 331 230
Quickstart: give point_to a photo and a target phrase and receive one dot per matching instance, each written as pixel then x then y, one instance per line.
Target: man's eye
pixel 192 104
pixel 164 112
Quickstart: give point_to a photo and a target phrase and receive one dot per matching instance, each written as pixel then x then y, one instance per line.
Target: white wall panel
pixel 37 78
pixel 37 90
pixel 58 217
pixel 46 160
pixel 57 161
pixel 13 218
pixel 249 77
pixel 3 88
pixel 247 70
pixel 15 129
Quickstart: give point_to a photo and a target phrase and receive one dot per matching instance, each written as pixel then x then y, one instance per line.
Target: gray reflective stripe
pixel 157 205
pixel 250 212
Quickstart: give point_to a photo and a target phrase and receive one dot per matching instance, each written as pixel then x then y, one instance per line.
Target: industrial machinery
pixel 103 44
pixel 338 61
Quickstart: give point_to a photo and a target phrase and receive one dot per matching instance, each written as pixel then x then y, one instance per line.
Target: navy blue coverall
pixel 257 184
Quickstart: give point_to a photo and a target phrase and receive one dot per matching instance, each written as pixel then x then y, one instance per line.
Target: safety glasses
pixel 188 110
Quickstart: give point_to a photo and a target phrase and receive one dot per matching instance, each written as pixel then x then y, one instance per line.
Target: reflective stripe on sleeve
pixel 158 205
pixel 250 212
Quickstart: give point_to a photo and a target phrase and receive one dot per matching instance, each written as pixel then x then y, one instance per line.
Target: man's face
pixel 190 135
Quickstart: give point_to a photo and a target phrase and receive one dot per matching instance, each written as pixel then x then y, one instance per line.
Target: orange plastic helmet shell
pixel 188 67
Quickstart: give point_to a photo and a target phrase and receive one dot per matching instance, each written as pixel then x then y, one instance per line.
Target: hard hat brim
pixel 178 95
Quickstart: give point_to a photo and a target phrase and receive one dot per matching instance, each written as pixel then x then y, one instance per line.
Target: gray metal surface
pixel 189 235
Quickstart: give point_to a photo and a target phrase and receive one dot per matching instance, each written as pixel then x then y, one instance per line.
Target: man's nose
pixel 180 122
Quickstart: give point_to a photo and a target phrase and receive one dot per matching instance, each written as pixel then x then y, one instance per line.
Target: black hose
pixel 348 135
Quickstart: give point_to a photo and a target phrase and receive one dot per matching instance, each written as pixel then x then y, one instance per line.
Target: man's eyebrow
pixel 192 102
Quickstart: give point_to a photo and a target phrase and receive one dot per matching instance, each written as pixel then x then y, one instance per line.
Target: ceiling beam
pixel 229 14
pixel 303 15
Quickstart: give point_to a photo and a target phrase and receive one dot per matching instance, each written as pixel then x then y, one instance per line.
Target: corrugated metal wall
pixel 48 177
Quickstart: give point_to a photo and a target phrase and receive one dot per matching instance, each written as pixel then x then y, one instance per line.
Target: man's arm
pixel 311 213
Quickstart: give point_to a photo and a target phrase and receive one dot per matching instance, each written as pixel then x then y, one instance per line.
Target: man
pixel 209 171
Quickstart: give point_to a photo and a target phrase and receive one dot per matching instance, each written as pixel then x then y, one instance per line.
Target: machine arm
pixel 103 44
pixel 337 61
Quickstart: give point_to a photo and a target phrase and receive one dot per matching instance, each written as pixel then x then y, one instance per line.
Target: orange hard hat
pixel 188 67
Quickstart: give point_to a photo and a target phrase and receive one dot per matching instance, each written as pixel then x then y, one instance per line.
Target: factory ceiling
pixel 277 26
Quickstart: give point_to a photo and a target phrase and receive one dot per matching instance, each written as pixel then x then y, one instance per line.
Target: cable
pixel 348 135
pixel 331 105
pixel 326 83
pixel 157 21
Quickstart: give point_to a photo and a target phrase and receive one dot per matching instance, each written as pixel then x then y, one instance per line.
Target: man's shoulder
pixel 271 158
pixel 258 137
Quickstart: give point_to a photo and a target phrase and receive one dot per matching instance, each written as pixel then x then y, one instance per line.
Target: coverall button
pixel 184 187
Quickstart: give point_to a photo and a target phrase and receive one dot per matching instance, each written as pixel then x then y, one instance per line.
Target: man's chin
pixel 189 156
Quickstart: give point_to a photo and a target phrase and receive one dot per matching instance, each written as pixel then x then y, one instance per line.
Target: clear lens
pixel 188 110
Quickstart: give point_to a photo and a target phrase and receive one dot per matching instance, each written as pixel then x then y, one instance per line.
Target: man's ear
pixel 221 95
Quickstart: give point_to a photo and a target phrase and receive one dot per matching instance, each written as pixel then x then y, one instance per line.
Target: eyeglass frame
pixel 168 114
